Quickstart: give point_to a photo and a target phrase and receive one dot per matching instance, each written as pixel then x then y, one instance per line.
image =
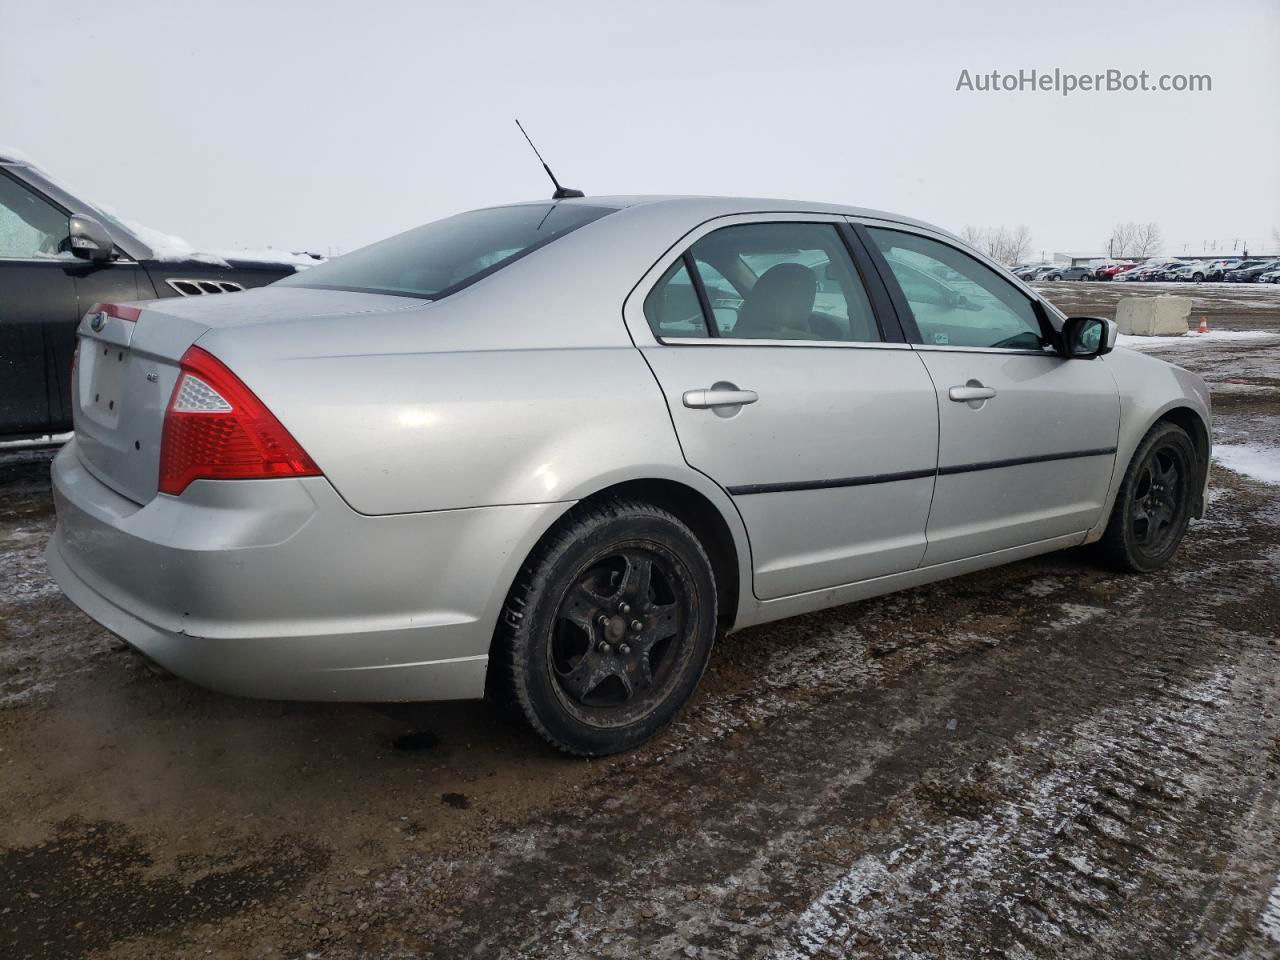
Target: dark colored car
pixel 1215 270
pixel 1070 273
pixel 60 255
pixel 1250 271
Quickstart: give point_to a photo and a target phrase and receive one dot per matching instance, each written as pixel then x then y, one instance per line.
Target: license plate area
pixel 101 371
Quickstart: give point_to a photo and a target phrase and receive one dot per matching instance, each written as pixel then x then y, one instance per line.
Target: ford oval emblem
pixel 98 322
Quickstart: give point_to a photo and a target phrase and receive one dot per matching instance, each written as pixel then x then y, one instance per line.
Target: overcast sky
pixel 332 123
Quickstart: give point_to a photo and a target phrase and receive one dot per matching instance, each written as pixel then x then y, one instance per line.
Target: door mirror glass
pixel 89 238
pixel 1087 337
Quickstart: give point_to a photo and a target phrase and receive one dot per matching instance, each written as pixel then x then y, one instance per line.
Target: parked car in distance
pixel 1029 270
pixel 1198 271
pixel 1040 273
pixel 1112 269
pixel 523 451
pixel 1214 272
pixel 1155 268
pixel 59 255
pixel 1069 273
pixel 1250 270
pixel 1272 277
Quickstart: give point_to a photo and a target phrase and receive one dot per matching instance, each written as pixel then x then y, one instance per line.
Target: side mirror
pixel 90 240
pixel 1084 338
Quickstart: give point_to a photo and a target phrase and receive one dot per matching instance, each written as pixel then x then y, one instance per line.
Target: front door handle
pixel 719 395
pixel 973 390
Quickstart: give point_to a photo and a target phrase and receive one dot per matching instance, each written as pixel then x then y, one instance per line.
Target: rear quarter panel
pixel 408 432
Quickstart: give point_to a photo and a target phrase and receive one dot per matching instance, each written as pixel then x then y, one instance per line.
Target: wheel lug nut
pixel 624 608
pixel 603 647
pixel 636 626
pixel 624 649
pixel 602 620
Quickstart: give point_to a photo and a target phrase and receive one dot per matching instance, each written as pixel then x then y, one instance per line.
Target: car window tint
pixel 957 301
pixel 672 306
pixel 721 294
pixel 784 281
pixel 435 260
pixel 29 225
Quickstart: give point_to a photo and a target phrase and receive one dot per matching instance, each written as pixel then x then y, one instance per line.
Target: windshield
pixel 435 260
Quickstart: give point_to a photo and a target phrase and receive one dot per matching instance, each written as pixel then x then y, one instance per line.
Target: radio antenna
pixel 562 193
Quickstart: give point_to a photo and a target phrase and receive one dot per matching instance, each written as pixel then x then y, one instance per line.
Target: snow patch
pixel 1251 459
pixel 1215 336
pixel 167 247
pixel 1269 922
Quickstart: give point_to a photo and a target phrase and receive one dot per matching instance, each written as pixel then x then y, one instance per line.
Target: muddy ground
pixel 1044 760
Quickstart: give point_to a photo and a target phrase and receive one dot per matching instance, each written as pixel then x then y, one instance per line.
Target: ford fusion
pixel 552 451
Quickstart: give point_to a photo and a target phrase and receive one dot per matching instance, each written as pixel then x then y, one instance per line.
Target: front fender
pixel 1151 390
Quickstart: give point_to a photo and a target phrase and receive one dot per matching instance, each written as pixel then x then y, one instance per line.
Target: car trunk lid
pixel 128 361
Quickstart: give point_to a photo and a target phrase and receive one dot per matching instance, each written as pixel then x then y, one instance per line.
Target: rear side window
pixel 784 281
pixel 765 281
pixel 672 306
pixel 437 259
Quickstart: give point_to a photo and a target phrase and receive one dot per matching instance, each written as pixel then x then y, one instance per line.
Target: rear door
pixel 786 389
pixel 37 306
pixel 1027 438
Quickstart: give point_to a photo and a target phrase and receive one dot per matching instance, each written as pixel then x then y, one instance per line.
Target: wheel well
pixel 1190 421
pixel 702 517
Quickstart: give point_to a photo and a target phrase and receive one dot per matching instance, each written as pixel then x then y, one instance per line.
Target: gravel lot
pixel 1044 760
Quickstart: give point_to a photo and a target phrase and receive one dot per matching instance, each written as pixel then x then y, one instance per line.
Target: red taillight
pixel 216 429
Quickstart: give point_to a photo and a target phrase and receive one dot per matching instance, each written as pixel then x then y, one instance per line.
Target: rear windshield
pixel 434 260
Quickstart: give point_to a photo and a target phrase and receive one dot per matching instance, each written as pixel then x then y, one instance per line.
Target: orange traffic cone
pixel 1204 325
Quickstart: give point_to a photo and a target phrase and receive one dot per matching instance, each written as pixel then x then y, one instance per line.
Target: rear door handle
pixel 720 395
pixel 972 390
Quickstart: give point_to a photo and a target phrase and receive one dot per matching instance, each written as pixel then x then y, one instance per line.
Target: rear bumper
pixel 276 588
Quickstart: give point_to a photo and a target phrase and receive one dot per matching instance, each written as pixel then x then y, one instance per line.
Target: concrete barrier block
pixel 1162 316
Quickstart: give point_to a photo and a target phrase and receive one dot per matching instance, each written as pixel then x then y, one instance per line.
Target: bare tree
pixel 1147 240
pixel 1017 245
pixel 999 243
pixel 1135 240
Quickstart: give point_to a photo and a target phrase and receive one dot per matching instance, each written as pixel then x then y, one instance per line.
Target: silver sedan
pixel 551 451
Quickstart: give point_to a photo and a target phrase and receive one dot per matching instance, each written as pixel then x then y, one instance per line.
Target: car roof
pixel 706 207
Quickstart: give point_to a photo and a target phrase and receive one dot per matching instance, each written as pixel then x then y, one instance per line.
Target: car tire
pixel 575 664
pixel 1154 504
pixel 1198 277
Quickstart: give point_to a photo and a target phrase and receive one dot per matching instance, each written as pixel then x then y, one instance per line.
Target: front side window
pixel 30 226
pixel 434 260
pixel 783 281
pixel 957 301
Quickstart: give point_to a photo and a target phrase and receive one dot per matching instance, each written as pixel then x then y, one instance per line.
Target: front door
pixel 1027 439
pixel 783 390
pixel 37 298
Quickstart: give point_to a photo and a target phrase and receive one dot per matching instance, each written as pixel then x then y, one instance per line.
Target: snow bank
pixel 1214 336
pixel 1251 459
pixel 167 247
